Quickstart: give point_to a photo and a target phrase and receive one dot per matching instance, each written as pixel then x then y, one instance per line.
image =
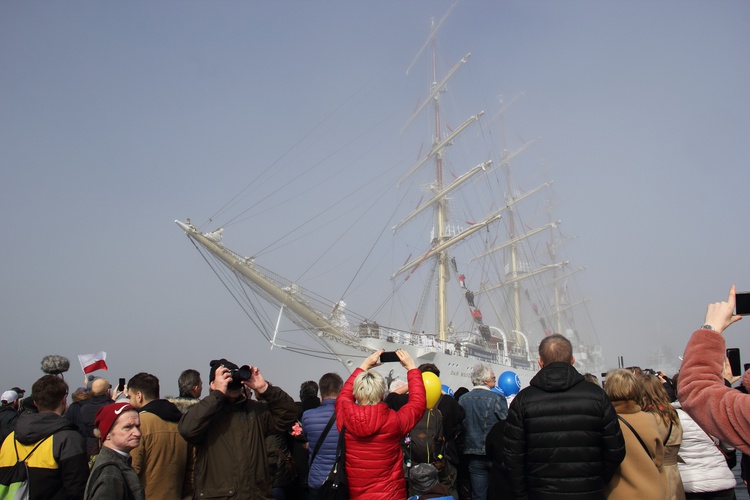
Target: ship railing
pixel 428 343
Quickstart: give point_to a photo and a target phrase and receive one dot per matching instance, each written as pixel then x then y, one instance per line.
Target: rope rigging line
pixel 314 128
pixel 297 348
pixel 363 89
pixel 218 275
pixel 353 193
pixel 372 247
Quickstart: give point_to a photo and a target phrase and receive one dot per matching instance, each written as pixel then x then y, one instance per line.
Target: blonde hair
pixel 621 385
pixel 369 388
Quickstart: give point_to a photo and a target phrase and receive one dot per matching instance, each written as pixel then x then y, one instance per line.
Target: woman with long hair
pixel 639 473
pixel 655 400
pixel 373 432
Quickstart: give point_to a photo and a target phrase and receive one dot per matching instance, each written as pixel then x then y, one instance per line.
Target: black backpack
pixel 425 443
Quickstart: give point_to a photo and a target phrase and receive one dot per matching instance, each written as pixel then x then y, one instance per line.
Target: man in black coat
pixel 8 413
pixel 562 437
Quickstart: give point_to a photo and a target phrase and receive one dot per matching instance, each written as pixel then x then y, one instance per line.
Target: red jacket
pixel 721 411
pixel 374 461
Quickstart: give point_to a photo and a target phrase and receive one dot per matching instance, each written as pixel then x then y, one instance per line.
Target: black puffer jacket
pixel 8 417
pixel 562 438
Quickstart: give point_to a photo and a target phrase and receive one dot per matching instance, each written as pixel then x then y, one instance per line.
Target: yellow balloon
pixel 432 387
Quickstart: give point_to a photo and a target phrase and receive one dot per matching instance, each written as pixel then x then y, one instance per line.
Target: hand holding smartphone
pixel 733 355
pixel 389 357
pixel 742 303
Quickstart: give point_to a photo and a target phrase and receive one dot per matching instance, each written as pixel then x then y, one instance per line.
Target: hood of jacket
pixel 364 421
pixel 31 427
pixel 183 404
pixel 556 377
pixel 163 409
pixel 8 408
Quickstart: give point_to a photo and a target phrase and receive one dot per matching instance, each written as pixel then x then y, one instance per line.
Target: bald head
pixel 99 386
pixel 555 349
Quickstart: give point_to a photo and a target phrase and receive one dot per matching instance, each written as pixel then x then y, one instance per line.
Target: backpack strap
pixel 323 436
pixel 636 434
pixel 15 446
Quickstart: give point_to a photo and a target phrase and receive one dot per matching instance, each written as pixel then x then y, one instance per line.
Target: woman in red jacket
pixel 374 461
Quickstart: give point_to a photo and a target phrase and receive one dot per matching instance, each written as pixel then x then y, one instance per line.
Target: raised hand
pixel 405 359
pixel 372 360
pixel 721 314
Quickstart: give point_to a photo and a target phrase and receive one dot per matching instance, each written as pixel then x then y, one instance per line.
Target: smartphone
pixel 746 366
pixel 121 385
pixel 742 303
pixel 733 354
pixel 389 357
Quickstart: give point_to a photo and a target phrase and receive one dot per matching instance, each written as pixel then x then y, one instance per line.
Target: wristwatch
pixel 708 327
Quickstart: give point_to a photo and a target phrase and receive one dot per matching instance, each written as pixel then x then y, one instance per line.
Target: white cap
pixel 9 397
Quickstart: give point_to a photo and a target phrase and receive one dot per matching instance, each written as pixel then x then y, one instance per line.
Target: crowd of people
pixel 637 435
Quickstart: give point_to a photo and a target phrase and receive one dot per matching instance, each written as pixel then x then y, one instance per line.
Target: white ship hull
pixel 455 369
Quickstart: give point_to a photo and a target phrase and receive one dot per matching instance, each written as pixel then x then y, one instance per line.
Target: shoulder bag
pixel 336 486
pixel 636 435
pixel 323 437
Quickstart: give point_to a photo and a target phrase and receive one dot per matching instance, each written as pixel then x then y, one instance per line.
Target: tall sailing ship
pixel 493 285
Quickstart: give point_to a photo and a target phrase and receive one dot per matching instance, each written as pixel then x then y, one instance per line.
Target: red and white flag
pixel 92 362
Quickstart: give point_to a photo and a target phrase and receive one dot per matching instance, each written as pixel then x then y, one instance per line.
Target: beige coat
pixel 162 460
pixel 639 475
pixel 670 474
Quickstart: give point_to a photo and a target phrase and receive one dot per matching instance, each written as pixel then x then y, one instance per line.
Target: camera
pixel 650 371
pixel 238 375
pixel 241 374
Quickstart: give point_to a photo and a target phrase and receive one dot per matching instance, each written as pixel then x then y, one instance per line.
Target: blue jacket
pixel 484 408
pixel 314 422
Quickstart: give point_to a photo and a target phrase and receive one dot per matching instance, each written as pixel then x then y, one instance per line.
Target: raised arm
pixel 721 411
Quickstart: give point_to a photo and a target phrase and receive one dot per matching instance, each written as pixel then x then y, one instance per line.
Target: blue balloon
pixel 508 383
pixel 497 390
pixel 447 390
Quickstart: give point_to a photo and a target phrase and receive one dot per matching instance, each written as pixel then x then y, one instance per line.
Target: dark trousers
pixel 713 495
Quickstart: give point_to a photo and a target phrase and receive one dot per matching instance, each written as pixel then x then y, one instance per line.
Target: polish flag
pixel 92 362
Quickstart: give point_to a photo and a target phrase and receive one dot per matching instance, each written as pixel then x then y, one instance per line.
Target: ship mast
pixel 442 241
pixel 441 211
pixel 510 202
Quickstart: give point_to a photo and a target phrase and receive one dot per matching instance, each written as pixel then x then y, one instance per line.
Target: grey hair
pixel 188 379
pixel 480 374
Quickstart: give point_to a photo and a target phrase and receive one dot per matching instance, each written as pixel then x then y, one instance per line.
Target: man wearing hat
pixel 8 413
pixel 52 446
pixel 228 430
pixel 117 425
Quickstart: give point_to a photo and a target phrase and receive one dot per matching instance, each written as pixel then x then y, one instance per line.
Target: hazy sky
pixel 118 117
